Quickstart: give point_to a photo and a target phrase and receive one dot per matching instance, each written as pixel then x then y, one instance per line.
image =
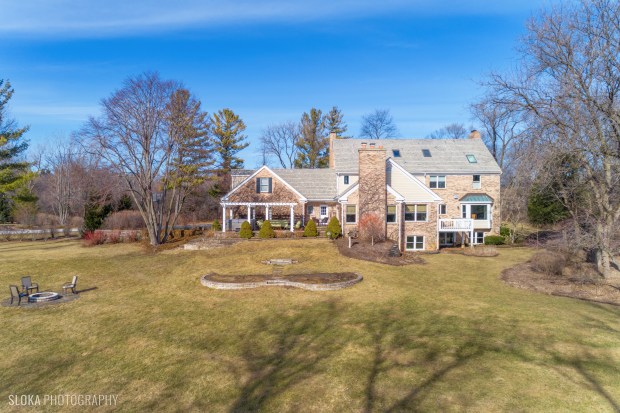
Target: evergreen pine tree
pixel 310 229
pixel 335 122
pixel 333 227
pixel 14 174
pixel 227 132
pixel 313 144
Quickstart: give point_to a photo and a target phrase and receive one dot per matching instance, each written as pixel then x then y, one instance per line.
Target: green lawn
pixel 444 336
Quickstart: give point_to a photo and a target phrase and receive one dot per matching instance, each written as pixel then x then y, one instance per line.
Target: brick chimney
pixel 372 180
pixel 474 135
pixel 332 137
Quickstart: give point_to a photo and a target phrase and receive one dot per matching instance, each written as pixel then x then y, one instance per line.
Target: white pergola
pixel 250 205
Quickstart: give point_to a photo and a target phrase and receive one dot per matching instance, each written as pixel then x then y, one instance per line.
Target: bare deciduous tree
pixel 568 88
pixel 451 131
pixel 280 141
pixel 154 135
pixel 378 125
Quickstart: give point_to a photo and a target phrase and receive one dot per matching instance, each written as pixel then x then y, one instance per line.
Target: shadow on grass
pixel 282 351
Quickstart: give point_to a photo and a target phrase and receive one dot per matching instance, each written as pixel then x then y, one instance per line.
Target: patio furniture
pixel 15 293
pixel 70 286
pixel 28 285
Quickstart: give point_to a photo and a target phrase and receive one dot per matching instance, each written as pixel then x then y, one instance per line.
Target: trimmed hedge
pixel 266 231
pixel 493 240
pixel 333 227
pixel 310 229
pixel 246 230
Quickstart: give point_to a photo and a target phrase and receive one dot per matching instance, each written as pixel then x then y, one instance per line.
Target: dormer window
pixel 472 159
pixel 396 153
pixel 346 179
pixel 426 153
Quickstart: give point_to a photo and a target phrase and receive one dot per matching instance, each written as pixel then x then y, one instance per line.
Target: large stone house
pixel 428 193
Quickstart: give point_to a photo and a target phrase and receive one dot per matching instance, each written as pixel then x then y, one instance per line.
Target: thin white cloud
pixel 80 18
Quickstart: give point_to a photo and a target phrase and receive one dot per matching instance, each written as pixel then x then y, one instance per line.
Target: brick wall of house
pixel 427 229
pixel 460 185
pixel 372 182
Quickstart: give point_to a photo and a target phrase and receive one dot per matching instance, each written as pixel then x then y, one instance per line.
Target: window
pixel 346 179
pixel 464 213
pixel 396 153
pixel 263 185
pixel 472 159
pixel 442 209
pixel 479 212
pixel 414 243
pixel 415 212
pixel 391 213
pixel 478 237
pixel 476 182
pixel 446 238
pixel 323 210
pixel 437 181
pixel 350 214
pixel 426 153
pixel 310 209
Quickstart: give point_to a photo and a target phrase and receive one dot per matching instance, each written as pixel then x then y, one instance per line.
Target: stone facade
pixel 372 182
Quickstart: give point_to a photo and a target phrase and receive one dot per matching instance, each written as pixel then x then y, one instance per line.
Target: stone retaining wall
pixel 312 287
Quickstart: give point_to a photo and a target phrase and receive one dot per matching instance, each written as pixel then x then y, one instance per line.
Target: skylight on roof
pixel 396 153
pixel 472 159
pixel 426 153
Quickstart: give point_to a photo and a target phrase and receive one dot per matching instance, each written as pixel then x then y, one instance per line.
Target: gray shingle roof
pixel 447 155
pixel 311 183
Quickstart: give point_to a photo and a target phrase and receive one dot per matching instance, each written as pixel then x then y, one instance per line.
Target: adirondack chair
pixel 15 293
pixel 70 286
pixel 28 285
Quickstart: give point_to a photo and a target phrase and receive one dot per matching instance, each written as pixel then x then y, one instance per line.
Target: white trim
pixel 416 180
pixel 258 203
pixel 249 178
pixel 414 242
pixel 398 196
pixel 345 196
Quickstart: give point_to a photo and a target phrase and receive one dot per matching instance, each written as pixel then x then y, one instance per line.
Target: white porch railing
pixel 449 225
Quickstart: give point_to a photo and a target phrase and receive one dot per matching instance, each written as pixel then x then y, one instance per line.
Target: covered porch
pixel 230 223
pixel 464 226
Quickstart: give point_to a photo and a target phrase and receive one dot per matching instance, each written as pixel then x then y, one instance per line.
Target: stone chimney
pixel 474 135
pixel 372 180
pixel 332 137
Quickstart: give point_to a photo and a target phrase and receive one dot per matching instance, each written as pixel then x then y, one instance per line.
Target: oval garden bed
pixel 314 282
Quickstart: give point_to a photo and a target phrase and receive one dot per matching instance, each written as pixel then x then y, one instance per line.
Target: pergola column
pixel 249 217
pixel 266 212
pixel 292 218
pixel 224 218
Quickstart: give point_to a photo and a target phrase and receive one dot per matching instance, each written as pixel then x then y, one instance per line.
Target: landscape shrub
pixel 123 220
pixel 92 238
pixel 216 225
pixel 266 231
pixel 246 230
pixel 372 228
pixel 310 229
pixel 493 240
pixel 504 231
pixel 548 262
pixel 333 227
pixel 113 237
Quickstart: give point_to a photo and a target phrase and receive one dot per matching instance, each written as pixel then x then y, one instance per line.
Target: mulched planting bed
pixel 318 278
pixel 582 288
pixel 376 253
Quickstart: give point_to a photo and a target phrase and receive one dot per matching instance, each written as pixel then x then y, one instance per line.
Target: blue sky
pixel 269 61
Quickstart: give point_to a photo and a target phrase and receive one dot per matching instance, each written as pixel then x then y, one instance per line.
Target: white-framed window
pixel 443 209
pixel 476 182
pixel 414 243
pixel 446 238
pixel 323 210
pixel 416 212
pixel 350 214
pixel 478 237
pixel 476 211
pixel 264 185
pixel 346 179
pixel 391 213
pixel 437 181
